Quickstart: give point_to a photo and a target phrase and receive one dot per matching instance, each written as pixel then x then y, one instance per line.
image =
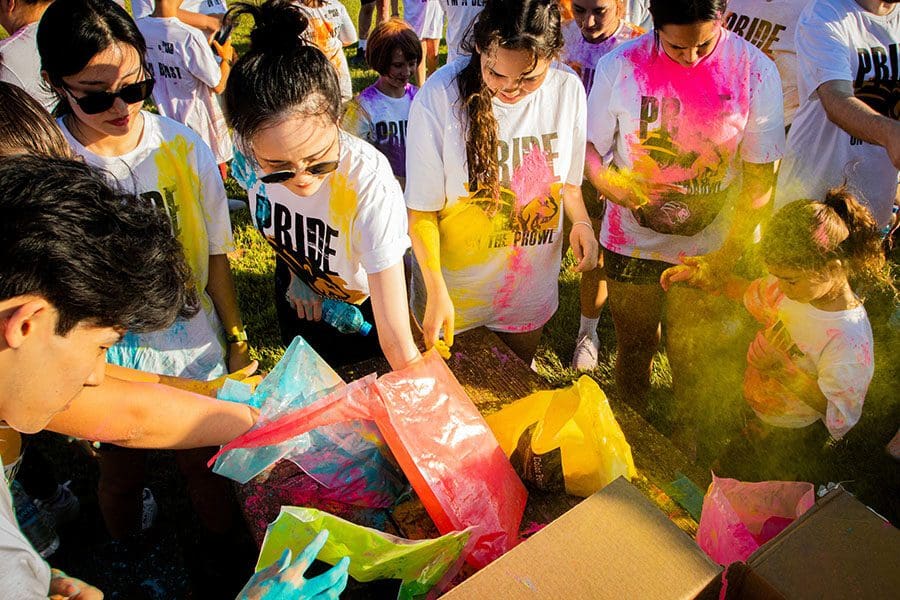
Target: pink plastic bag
pixel 740 517
pixel 441 442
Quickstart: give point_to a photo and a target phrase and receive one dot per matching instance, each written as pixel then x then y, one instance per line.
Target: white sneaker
pixel 150 509
pixel 586 352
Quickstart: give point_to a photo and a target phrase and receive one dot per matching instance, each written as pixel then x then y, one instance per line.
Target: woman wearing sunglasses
pixel 326 201
pixel 92 54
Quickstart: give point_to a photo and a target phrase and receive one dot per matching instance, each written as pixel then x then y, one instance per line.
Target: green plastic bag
pixel 422 565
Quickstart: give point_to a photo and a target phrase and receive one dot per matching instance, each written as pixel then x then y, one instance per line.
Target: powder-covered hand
pixel 69 588
pixel 305 301
pixel 584 246
pixel 283 579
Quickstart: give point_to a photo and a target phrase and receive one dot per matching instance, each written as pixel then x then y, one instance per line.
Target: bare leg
pixel 523 344
pixel 431 54
pixel 636 311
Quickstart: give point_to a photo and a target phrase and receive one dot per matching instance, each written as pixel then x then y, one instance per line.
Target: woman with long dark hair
pixel 495 152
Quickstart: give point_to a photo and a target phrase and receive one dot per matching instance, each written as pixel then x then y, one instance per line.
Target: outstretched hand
pixel 284 580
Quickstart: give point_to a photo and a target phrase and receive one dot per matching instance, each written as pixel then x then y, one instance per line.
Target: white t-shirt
pixel 381 120
pixel 24 575
pixel 686 126
pixel 500 259
pixel 143 8
pixel 835 347
pixel 770 25
pixel 638 12
pixel 837 40
pixel 460 16
pixel 22 65
pixel 330 29
pixel 425 17
pixel 353 226
pixel 174 168
pixel 582 55
pixel 186 70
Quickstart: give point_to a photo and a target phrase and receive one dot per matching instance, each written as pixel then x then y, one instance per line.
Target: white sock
pixel 362 44
pixel 588 326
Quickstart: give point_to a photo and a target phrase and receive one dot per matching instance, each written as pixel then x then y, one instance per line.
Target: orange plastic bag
pixel 441 442
pixel 564 439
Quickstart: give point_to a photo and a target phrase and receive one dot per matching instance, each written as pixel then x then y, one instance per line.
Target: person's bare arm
pixel 208 24
pixel 151 415
pixel 389 304
pixel 858 119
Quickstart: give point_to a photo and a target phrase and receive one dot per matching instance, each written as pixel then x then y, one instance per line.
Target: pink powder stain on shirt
pixel 519 269
pixel 532 178
pixel 714 99
pixel 617 238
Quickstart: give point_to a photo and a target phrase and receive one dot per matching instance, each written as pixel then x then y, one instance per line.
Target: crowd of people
pixel 709 164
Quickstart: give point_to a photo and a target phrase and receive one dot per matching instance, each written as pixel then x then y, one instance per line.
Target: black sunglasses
pixel 316 170
pixel 93 103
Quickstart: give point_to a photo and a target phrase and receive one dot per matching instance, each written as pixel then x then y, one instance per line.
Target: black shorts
pixel 637 271
pixel 364 2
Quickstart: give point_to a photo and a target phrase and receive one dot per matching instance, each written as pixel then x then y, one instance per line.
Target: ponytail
pixel 528 25
pixel 282 74
pixel 807 234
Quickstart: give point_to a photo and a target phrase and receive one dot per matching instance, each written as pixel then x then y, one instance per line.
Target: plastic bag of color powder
pixel 421 565
pixel 740 517
pixel 441 442
pixel 564 440
pixel 346 457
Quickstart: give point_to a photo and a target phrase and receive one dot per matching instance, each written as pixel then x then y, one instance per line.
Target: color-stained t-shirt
pixel 582 55
pixel 686 127
pixel 173 167
pixel 382 121
pixel 186 70
pixel 330 29
pixel 770 25
pixel 500 257
pixel 838 40
pixel 353 226
pixel 834 347
pixel 426 17
pixel 143 8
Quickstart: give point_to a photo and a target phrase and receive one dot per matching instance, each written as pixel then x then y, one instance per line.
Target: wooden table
pixel 493 376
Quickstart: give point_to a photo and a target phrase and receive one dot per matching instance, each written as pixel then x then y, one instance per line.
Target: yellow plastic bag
pixel 564 439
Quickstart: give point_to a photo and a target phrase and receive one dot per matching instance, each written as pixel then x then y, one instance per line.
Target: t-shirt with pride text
pixel 834 347
pixel 381 120
pixel 353 226
pixel 186 70
pixel 175 169
pixel 770 25
pixel 689 127
pixel 838 40
pixel 582 55
pixel 500 257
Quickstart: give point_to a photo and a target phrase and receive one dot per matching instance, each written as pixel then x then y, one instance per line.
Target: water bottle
pixel 32 523
pixel 344 317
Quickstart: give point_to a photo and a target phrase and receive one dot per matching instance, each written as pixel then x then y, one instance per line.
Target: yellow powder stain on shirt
pixel 179 184
pixel 465 233
pixel 342 207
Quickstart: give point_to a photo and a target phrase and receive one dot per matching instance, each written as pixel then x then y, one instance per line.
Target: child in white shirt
pixel 379 114
pixel 331 30
pixel 188 76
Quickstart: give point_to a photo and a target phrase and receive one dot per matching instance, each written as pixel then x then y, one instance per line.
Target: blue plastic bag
pixel 347 457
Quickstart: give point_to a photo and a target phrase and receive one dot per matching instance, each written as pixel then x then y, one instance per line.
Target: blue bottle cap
pixel 365 328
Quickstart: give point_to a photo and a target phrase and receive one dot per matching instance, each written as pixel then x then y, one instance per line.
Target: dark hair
pixel 98 255
pixel 281 74
pixel 528 25
pixel 387 37
pixel 685 12
pixel 26 127
pixel 72 32
pixel 807 234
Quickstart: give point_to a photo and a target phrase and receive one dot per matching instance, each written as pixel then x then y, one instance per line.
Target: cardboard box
pixel 615 544
pixel 839 548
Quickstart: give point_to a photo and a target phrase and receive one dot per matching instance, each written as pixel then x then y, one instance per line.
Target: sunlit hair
pixel 808 234
pixel 387 37
pixel 532 26
pixel 26 127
